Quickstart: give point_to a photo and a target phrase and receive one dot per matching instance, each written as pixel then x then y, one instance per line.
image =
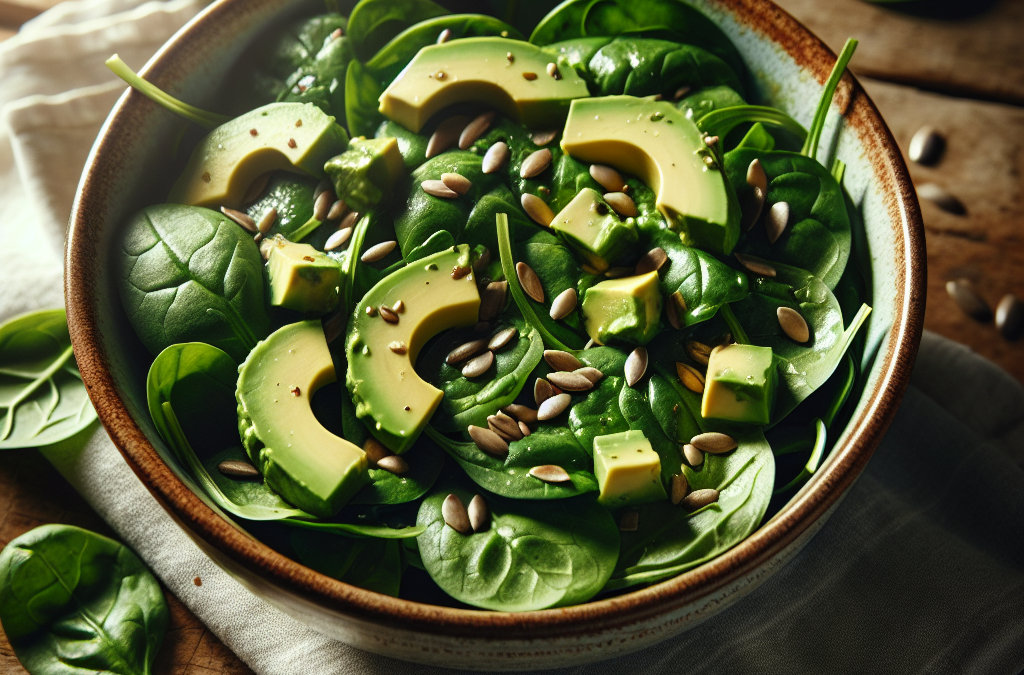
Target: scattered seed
pixel 523 428
pixel 777 220
pixel 530 76
pixel 398 347
pixel 378 252
pixel 456 182
pixel 459 271
pixel 529 280
pixel 321 187
pixel 455 515
pixel 698 351
pixel 388 314
pixel 478 365
pixel 793 324
pixel 553 71
pixel 714 442
pixel 680 486
pixel 553 407
pixel 479 514
pixel 675 305
pixel 349 220
pixel 338 239
pixel 570 381
pixel 1010 317
pixel 322 205
pixel 693 456
pixel 563 304
pixel 256 188
pixel 711 141
pixel 337 210
pixel 496 157
pixel 926 146
pixel 291 143
pixel 492 300
pixel 562 361
pixel 550 473
pixel 267 221
pixel 464 351
pixel 651 261
pixel 475 129
pixel 589 372
pixel 758 267
pixel 618 272
pixel 622 203
pixel 488 441
pixel 542 138
pixel 398 307
pixel 681 92
pixel 629 521
pixel 371 311
pixel 963 293
pixel 445 35
pixel 636 365
pixel 502 338
pixel 375 450
pixel 752 204
pixel 607 177
pixel 590 343
pixel 700 498
pixel 437 188
pixel 447 135
pixel 690 377
pixel 944 200
pixel 238 469
pixel 393 464
pixel 535 163
pixel 521 412
pixel 504 425
pixel 242 219
pixel 542 391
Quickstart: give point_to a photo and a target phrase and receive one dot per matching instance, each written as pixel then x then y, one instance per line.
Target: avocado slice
pixel 436 293
pixel 664 148
pixel 628 470
pixel 594 230
pixel 623 311
pixel 302 461
pixel 741 384
pixel 292 136
pixel 367 172
pixel 509 75
pixel 302 278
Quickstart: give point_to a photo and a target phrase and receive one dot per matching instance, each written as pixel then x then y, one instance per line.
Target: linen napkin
pixel 920 569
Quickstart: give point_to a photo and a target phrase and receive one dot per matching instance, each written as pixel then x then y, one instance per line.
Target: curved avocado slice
pixel 664 148
pixel 436 293
pixel 291 136
pixel 302 461
pixel 509 75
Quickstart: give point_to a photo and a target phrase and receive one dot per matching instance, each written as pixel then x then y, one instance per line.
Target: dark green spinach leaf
pixel 374 23
pixel 373 564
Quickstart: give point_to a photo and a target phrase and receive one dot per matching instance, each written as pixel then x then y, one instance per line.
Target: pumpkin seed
pixel 793 324
pixel 553 407
pixel 680 486
pixel 523 428
pixel 492 300
pixel 758 267
pixel 502 338
pixel 698 351
pixel 777 220
pixel 455 515
pixel 238 469
pixel 963 293
pixel 690 377
pixel 629 521
pixel 504 426
pixel 622 203
pixel 322 205
pixel 475 129
pixel 521 412
pixel 488 441
pixel 337 210
pixel 456 182
pixel 651 261
pixel 437 188
pixel 529 280
pixel 752 204
pixel 542 138
pixel 714 442
pixel 563 305
pixel 375 450
pixel 636 365
pixel 607 177
pixel 562 361
pixel 535 163
pixel 542 391
pixel 479 514
pixel 378 252
pixel 537 209
pixel 550 473
pixel 693 456
pixel 388 314
pixel 464 351
pixel 267 221
pixel 242 219
pixel 496 157
pixel 570 381
pixel 256 188
pixel 926 146
pixel 700 498
pixel 447 135
pixel 478 365
pixel 338 239
pixel 941 198
pixel 1010 317
pixel 591 373
pixel 393 464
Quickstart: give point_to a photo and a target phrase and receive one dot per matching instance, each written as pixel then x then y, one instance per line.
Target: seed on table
pixel 393 464
pixel 777 220
pixel 698 351
pixel 553 407
pixel 478 365
pixel 456 182
pixel 437 188
pixel 455 515
pixel 752 204
pixel 607 177
pixel 256 188
pixel 479 514
pixel 793 324
pixel 690 377
pixel 680 486
pixel 475 129
pixel 502 338
pixel 537 209
pixel 529 280
pixel 1010 317
pixel 941 198
pixel 378 252
pixel 322 205
pixel 562 361
pixel 542 391
pixel 963 293
pixel 636 365
pixel 651 261
pixel 267 221
pixel 563 305
pixel 349 220
pixel 447 135
pixel 535 163
pixel 238 469
pixel 589 372
pixel 496 157
pixel 492 300
pixel 550 473
pixel 700 498
pixel 570 381
pixel 521 412
pixel 488 441
pixel 693 456
pixel 524 429
pixel 388 314
pixel 629 521
pixel 464 351
pixel 926 146
pixel 504 426
pixel 337 210
pixel 714 442
pixel 758 267
pixel 375 450
pixel 242 219
pixel 622 203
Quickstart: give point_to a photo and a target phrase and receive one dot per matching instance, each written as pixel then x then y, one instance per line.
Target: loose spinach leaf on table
pixel 42 398
pixel 534 555
pixel 373 23
pixel 191 274
pixel 74 601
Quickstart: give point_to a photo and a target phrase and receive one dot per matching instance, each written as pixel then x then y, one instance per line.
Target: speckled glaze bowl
pixel 126 171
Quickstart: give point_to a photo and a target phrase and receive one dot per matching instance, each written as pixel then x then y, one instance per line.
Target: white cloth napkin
pixel 920 570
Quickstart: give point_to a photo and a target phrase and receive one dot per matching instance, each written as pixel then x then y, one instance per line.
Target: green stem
pixel 813 462
pixel 839 171
pixel 393 267
pixel 810 148
pixel 721 122
pixel 844 392
pixel 352 259
pixel 207 120
pixel 305 229
pixel 738 334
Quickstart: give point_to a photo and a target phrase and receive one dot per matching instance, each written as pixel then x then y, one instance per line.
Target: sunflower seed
pixel 523 428
pixel 675 305
pixel 398 347
pixel 537 209
pixel 590 343
pixel 589 372
pixel 542 391
pixel 553 407
pixel 690 377
pixel 777 220
pixel 337 210
pixel 256 188
pixel 475 129
pixel 926 146
pixel 349 220
pixel 563 304
pixel 535 163
pixel 629 521
pixel 478 365
pixel 552 69
pixel 322 205
pixel 714 442
pixel 378 252
pixel 963 293
pixel 504 425
pixel 393 464
pixel 323 185
pixel 267 221
pixel 455 515
pixel 444 36
pixel 698 351
pixel 338 239
pixel 607 177
pixel 464 351
pixel 437 188
pixel 502 338
pixel 492 299
pixel 488 441
pixel 479 514
pixel 793 324
pixel 680 486
pixel 529 280
pixel 1010 317
pixel 550 473
pixel 238 469
pixel 542 138
pixel 622 203
pixel 388 314
pixel 398 307
pixel 496 157
pixel 700 498
pixel 753 203
pixel 570 381
pixel 375 450
pixel 521 412
pixel 651 261
pixel 456 182
pixel 941 198
pixel 636 365
pixel 446 136
pixel 618 272
pixel 694 457
pixel 562 361
pixel 241 218
pixel 758 267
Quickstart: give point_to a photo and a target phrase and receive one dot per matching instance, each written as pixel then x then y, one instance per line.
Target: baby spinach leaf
pixel 598 414
pixel 709 99
pixel 373 564
pixel 669 406
pixel 412 147
pixel 191 274
pixel 74 601
pixel 292 195
pixel 375 22
pixel 534 555
pixel 558 271
pixel 320 77
pixel 635 405
pixel 42 398
pixel 362 92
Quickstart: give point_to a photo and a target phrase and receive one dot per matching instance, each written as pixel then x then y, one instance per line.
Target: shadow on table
pixel 946 10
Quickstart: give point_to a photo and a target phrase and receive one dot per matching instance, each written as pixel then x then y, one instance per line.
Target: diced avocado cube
pixel 741 384
pixel 628 470
pixel 366 173
pixel 594 230
pixel 302 278
pixel 623 311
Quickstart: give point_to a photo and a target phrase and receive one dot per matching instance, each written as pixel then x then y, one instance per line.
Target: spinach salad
pixel 480 320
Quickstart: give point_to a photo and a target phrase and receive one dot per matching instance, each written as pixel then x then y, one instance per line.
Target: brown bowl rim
pixel 848 459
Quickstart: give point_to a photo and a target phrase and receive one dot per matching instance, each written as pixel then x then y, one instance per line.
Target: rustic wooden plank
pixel 980 55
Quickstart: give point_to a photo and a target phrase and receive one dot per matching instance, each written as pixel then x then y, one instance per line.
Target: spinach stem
pixel 721 122
pixel 810 148
pixel 813 462
pixel 839 171
pixel 305 229
pixel 738 334
pixel 207 120
pixel 393 267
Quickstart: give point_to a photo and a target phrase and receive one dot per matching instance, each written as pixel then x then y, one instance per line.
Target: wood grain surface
pixel 962 73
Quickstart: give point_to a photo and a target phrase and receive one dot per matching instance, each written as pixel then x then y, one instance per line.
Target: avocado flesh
pixel 479 70
pixel 230 158
pixel 302 461
pixel 367 172
pixel 594 230
pixel 658 143
pixel 302 278
pixel 741 384
pixel 628 470
pixel 381 356
pixel 623 311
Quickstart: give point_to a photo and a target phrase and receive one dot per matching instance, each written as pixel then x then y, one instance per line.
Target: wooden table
pixel 961 74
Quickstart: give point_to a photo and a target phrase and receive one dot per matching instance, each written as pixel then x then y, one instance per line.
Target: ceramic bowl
pixel 124 173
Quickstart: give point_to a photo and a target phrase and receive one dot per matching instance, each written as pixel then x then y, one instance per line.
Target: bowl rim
pixel 849 457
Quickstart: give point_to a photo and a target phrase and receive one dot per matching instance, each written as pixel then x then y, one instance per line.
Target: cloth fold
pixel 920 569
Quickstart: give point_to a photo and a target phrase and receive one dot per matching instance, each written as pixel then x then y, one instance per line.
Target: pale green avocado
pixel 623 311
pixel 302 461
pixel 280 136
pixel 741 384
pixel 658 143
pixel 509 75
pixel 628 470
pixel 302 278
pixel 594 230
pixel 367 172
pixel 432 294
